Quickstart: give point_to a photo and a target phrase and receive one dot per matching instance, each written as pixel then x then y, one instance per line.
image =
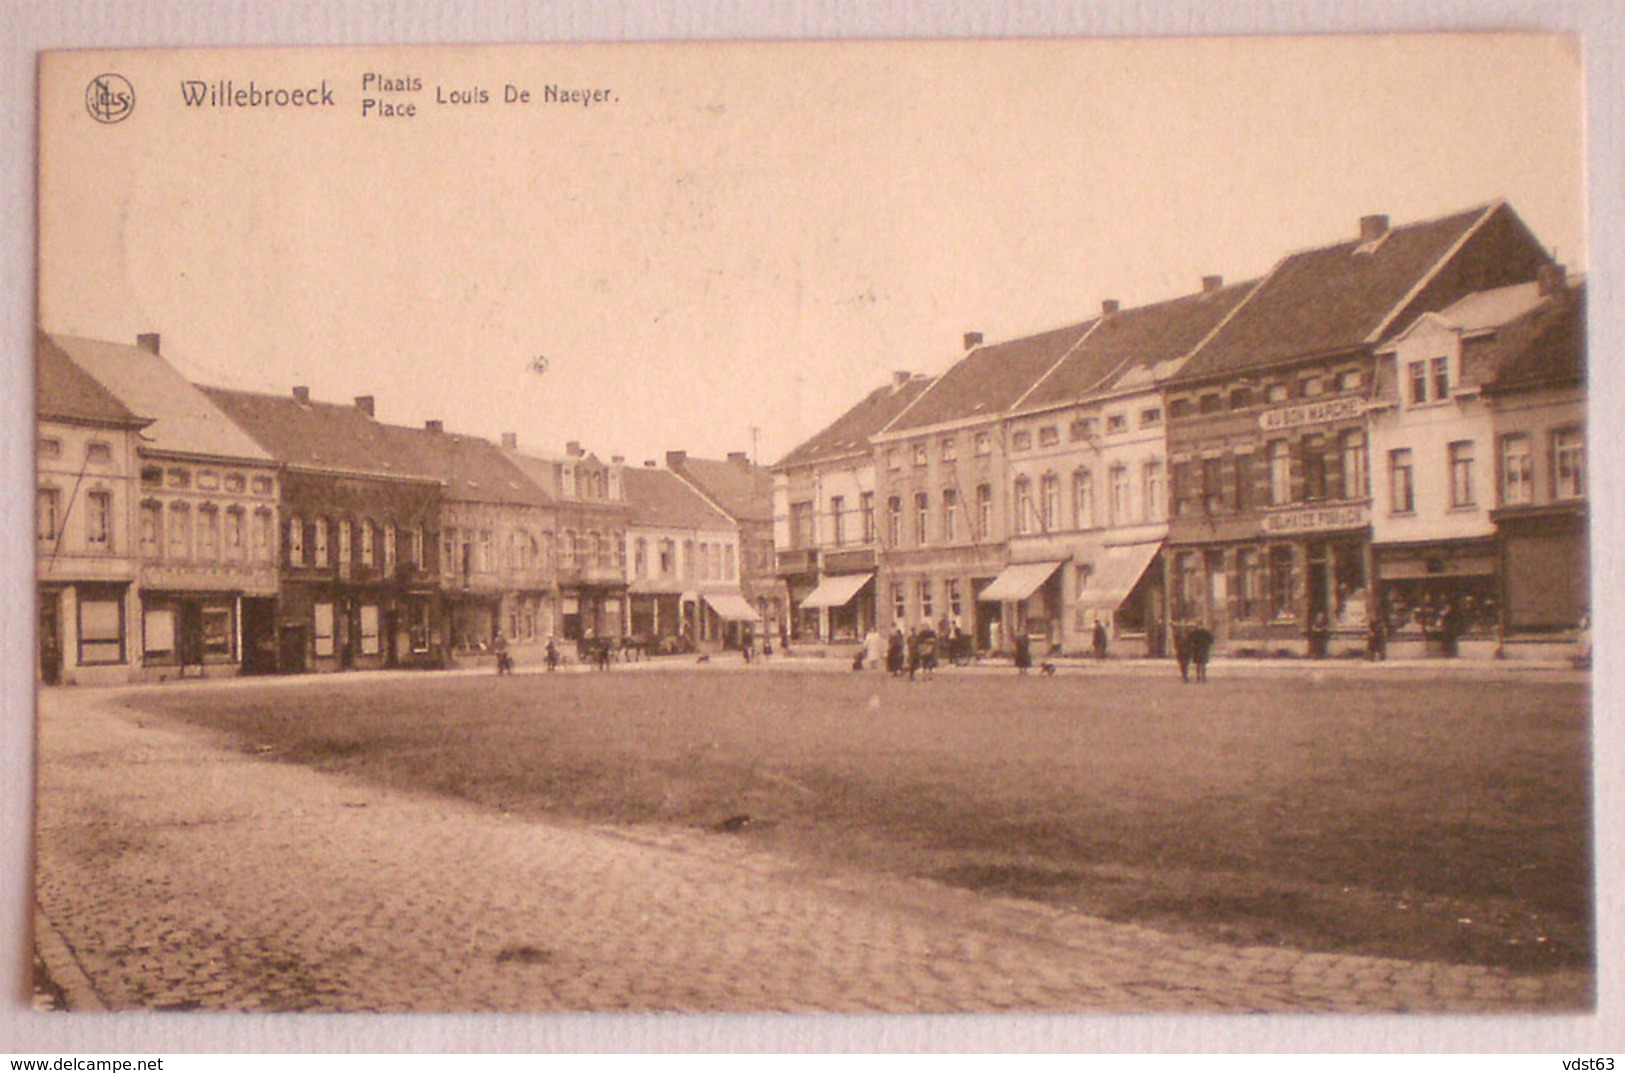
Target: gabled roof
pixel 740 487
pixel 1135 347
pixel 1333 298
pixel 63 390
pixel 1488 309
pixel 1544 347
pixel 989 380
pixel 469 468
pixel 849 433
pixel 658 497
pixel 318 435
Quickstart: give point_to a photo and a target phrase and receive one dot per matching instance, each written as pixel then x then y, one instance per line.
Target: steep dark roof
pixel 63 390
pixel 319 435
pixel 988 380
pixel 849 433
pixel 743 489
pixel 1333 298
pixel 1139 339
pixel 660 497
pixel 471 469
pixel 1545 347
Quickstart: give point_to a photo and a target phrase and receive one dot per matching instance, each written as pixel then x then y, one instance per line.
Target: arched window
pixel 296 541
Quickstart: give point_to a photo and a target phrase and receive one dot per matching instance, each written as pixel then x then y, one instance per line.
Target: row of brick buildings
pixel 199 530
pixel 1384 432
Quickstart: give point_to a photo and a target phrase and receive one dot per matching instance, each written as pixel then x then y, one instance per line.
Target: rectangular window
pixel 894 521
pixel 50 447
pixel 1151 417
pixel 1249 585
pixel 1243 497
pixel 1024 506
pixel 234 535
pixel 1241 398
pixel 101 626
pixel 1277 393
pixel 47 513
pixel 1120 495
pixel 262 486
pixel 1021 441
pixel 369 630
pixel 320 541
pixel 1313 448
pixel 99 453
pixel 152 530
pixel 1116 422
pixel 1280 473
pixel 1049 436
pixel 1350 380
pixel 1210 403
pixel 1155 503
pixel 1083 499
pixel 389 547
pixel 1517 471
pixel 99 521
pixel 920 453
pixel 899 602
pixel 365 526
pixel 158 633
pixel 922 517
pixel 1212 486
pixel 950 515
pixel 264 526
pixel 179 531
pixel 1049 498
pixel 1351 445
pixel 950 449
pixel 984 511
pixel 955 604
pixel 928 607
pixel 802 524
pixel 1461 474
pixel 1310 386
pixel 984 443
pixel 894 459
pixel 1419 382
pixel 343 526
pixel 217 632
pixel 208 534
pixel 1179 408
pixel 1568 464
pixel 866 505
pixel 728 571
pixel 1401 486
pixel 837 519
pixel 1081 429
pixel 296 542
pixel 1441 379
pixel 323 615
pixel 1281 602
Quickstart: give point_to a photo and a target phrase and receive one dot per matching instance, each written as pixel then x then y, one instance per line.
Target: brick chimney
pixel 973 340
pixel 649 463
pixel 301 395
pixel 1109 306
pixel 901 377
pixel 573 449
pixel 739 458
pixel 510 440
pixel 1212 283
pixel 1373 227
pixel 434 425
pixel 365 404
pixel 675 459
pixel 148 341
pixel 1553 280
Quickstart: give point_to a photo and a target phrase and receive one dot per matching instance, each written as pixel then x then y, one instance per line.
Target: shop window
pixel 1461 474
pixel 369 630
pixel 1249 595
pixel 158 633
pixel 1568 464
pixel 217 632
pixel 1517 471
pixel 1280 581
pixel 323 619
pixel 101 625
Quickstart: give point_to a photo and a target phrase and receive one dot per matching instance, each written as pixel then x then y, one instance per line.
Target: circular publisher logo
pixel 110 98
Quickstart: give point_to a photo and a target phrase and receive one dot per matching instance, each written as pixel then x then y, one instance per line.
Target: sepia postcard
pixel 1066 526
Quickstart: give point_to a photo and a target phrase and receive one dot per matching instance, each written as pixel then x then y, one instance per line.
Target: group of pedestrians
pixel 912 652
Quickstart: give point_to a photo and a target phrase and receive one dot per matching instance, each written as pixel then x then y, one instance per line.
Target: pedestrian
pixel 895 652
pixel 1024 653
pixel 1201 646
pixel 1182 650
pixel 912 652
pixel 928 650
pixel 1450 629
pixel 499 645
pixel 1376 642
pixel 1319 635
pixel 874 649
pixel 1100 640
pixel 552 655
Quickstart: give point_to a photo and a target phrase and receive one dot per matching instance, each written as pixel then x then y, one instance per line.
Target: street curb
pixel 78 993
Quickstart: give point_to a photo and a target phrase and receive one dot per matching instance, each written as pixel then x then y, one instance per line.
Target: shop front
pixel 1032 592
pixel 1439 599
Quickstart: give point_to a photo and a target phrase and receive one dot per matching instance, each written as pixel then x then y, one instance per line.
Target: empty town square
pixel 793 836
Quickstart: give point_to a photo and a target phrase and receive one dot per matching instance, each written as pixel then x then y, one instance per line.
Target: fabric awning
pixel 1018 581
pixel 1116 573
pixel 731 606
pixel 837 591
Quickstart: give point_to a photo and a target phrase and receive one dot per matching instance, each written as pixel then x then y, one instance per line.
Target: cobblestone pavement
pixel 176 871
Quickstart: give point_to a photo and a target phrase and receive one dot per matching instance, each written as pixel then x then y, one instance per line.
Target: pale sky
pixel 747 235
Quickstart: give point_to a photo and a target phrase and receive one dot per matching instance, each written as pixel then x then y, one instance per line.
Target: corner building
pixel 1268 438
